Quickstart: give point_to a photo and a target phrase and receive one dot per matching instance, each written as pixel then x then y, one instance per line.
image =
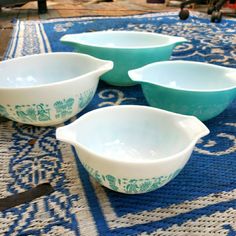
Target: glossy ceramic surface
pixel 48 89
pixel 190 88
pixel 127 49
pixel 133 149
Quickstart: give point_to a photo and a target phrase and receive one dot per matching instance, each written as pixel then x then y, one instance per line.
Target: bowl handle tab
pixel 65 134
pixel 178 40
pixel 231 73
pixel 136 75
pixel 104 66
pixel 194 127
pixel 70 39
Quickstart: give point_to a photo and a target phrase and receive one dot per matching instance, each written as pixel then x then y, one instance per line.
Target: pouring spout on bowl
pixel 139 76
pixel 66 134
pixel 230 78
pixel 178 40
pixel 194 127
pixel 70 39
pixel 231 75
pixel 136 75
pixel 97 66
pixel 103 66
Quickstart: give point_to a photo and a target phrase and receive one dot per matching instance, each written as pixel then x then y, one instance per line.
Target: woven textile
pixel 201 200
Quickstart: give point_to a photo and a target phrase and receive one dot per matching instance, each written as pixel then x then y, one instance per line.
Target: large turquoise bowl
pixel 190 88
pixel 127 49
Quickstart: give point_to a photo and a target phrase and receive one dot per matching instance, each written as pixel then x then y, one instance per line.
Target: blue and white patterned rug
pixel 201 200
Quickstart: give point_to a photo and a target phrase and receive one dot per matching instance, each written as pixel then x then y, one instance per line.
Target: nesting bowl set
pixel 129 149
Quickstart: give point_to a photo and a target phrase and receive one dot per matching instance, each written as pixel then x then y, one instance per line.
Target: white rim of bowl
pixel 185 62
pixel 173 39
pixel 53 83
pixel 104 157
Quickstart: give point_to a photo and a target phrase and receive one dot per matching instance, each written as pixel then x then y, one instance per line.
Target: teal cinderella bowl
pixel 127 49
pixel 190 88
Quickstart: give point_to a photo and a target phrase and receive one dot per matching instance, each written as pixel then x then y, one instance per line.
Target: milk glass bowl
pixel 127 49
pixel 48 89
pixel 191 88
pixel 133 149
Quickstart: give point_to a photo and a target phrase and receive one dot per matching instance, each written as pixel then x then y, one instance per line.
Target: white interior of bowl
pixel 188 75
pixel 44 69
pixel 122 39
pixel 131 134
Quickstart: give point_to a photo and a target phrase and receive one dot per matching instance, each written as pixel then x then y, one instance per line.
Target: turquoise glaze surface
pixel 125 60
pixel 203 105
pixel 126 56
pixel 190 88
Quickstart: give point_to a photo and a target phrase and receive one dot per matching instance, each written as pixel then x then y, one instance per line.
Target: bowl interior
pixel 131 134
pixel 189 76
pixel 44 69
pixel 122 39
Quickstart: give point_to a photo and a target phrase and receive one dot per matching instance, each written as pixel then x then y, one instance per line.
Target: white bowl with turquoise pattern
pixel 133 149
pixel 48 89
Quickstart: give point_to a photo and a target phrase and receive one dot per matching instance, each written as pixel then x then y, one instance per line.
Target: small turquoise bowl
pixel 127 49
pixel 190 88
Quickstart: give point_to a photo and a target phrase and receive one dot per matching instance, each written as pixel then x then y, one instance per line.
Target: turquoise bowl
pixel 127 49
pixel 190 88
